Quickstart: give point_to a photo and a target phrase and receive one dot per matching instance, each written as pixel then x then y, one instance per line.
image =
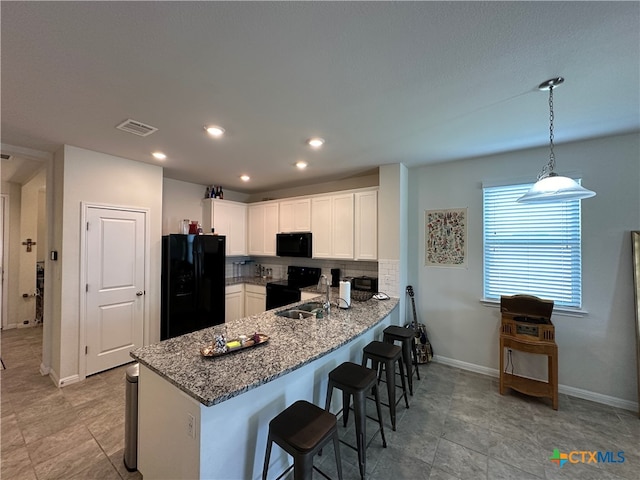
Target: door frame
pixel 82 330
pixel 4 291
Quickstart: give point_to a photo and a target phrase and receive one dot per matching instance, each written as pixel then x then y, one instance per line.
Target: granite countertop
pixel 250 279
pixel 292 344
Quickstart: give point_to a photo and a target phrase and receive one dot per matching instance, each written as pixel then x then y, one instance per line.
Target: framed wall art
pixel 445 237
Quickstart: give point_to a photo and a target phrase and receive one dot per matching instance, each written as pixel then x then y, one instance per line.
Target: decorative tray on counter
pixel 234 345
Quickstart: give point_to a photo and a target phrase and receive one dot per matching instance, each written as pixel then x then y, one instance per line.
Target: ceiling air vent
pixel 137 128
pixel 4 156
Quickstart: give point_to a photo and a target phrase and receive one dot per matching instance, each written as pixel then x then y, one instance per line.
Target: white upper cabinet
pixel 263 226
pixel 366 226
pixel 295 215
pixel 332 219
pixel 229 219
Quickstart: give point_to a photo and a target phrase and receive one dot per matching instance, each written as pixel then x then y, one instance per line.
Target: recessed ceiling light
pixel 245 178
pixel 301 164
pixel 214 130
pixel 315 142
pixel 159 155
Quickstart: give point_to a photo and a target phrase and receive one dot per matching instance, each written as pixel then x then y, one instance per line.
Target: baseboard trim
pixel 567 390
pixel 62 382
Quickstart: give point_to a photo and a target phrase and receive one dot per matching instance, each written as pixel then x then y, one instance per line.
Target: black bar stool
pixel 302 430
pixel 356 380
pixel 406 336
pixel 386 355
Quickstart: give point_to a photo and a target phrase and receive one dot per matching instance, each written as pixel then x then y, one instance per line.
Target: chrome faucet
pixel 327 304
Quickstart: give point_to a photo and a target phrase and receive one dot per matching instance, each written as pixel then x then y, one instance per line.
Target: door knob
pixel 139 294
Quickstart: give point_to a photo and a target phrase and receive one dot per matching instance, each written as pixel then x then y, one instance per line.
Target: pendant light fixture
pixel 550 186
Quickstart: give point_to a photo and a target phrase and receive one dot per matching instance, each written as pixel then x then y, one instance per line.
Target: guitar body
pixel 423 345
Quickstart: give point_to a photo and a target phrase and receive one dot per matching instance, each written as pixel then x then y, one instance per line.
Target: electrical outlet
pixel 191 426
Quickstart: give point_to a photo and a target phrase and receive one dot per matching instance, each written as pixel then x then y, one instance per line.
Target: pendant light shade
pixel 551 187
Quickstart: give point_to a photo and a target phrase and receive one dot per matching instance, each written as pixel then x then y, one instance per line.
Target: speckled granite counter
pixel 251 280
pixel 293 344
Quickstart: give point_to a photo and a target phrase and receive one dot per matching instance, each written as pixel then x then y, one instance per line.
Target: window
pixel 531 249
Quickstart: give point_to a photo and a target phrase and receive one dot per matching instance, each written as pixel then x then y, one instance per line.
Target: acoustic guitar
pixel 423 345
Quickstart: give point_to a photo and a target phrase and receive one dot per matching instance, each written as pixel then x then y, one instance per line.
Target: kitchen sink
pixel 296 313
pixel 310 306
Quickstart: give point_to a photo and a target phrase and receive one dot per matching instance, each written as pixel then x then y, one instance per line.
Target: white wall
pixel 94 177
pixel 597 356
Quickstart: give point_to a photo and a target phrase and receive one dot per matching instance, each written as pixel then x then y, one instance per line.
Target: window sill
pixel 565 311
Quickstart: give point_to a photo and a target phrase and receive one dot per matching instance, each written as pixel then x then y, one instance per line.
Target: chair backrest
pixel 526 305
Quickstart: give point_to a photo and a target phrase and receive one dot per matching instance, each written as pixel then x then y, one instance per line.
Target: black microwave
pixel 297 244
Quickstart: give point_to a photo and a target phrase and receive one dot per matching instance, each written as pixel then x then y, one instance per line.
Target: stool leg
pixel 302 467
pixel 391 391
pixel 359 408
pixel 379 410
pixel 415 357
pixel 346 401
pixel 406 356
pixel 267 456
pixel 404 387
pixel 336 448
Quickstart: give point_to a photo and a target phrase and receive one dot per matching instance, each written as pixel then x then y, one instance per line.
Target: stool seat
pixel 406 336
pixel 355 380
pixel 386 355
pixel 302 430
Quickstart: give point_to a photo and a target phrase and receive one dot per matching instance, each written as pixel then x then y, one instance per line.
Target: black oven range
pixel 287 291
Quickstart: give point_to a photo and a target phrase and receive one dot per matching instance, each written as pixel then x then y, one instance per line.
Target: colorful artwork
pixel 446 237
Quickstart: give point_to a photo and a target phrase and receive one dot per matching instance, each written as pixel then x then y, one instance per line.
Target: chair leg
pixel 346 401
pixel 379 410
pixel 302 467
pixel 267 456
pixel 391 391
pixel 406 357
pixel 404 386
pixel 361 442
pixel 336 448
pixel 415 357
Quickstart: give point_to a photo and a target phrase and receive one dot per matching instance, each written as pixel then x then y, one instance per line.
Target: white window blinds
pixel 531 249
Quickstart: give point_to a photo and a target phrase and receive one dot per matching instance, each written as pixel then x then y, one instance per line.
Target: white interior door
pixel 115 286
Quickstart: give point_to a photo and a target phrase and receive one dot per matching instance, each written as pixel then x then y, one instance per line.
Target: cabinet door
pixel 229 219
pixel 256 227
pixel 255 297
pixel 233 302
pixel 262 228
pixel 366 226
pixel 321 226
pixel 342 226
pixel 271 218
pixel 295 215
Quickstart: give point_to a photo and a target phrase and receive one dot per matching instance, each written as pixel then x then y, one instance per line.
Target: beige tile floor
pixel 457 427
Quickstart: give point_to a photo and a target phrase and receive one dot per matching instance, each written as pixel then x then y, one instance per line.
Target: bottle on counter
pixel 220 193
pixel 207 193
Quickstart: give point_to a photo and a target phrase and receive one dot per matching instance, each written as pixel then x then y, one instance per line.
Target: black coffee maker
pixel 335 277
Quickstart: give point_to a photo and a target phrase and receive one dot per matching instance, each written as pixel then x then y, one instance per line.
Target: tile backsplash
pixel 279 266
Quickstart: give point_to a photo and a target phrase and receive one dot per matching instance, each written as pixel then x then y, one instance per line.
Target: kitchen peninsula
pixel 208 418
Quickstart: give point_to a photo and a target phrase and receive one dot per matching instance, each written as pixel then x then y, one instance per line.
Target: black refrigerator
pixel 193 272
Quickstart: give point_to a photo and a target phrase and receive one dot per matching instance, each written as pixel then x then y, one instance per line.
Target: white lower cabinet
pixel 234 302
pixel 255 299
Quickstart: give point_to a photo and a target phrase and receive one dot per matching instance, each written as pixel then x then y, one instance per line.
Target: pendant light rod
pixel 549 168
pixel 550 187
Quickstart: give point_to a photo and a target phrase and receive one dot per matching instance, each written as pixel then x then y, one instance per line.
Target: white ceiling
pixel 382 82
